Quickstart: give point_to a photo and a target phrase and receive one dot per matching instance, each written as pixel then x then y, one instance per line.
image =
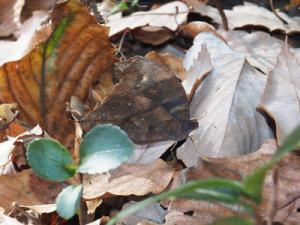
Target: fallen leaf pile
pixel 197 100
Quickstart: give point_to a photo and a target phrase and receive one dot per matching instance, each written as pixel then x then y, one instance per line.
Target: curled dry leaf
pixel 27 189
pixel 192 29
pixel 149 103
pixel 152 35
pixel 138 179
pixel 172 62
pixel 281 98
pixel 225 103
pixel 169 16
pixel 67 64
pixel 251 15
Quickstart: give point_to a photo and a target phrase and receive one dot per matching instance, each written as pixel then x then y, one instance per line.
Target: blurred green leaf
pixel 50 160
pixel 233 221
pixel 68 201
pixel 253 183
pixel 103 148
pixel 220 190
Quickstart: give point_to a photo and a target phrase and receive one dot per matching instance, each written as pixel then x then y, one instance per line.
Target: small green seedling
pixel 103 148
pixel 246 193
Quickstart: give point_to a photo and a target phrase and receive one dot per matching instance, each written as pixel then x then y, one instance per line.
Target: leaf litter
pixel 226 80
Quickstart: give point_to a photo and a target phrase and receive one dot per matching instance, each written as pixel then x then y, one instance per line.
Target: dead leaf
pixel 152 35
pixel 6 220
pixel 194 28
pixel 138 179
pixel 225 103
pixel 251 15
pixel 149 153
pixel 10 11
pixel 27 189
pixel 149 103
pixel 169 16
pixel 281 96
pixel 14 50
pixel 260 49
pixel 172 62
pixel 154 213
pixel 74 59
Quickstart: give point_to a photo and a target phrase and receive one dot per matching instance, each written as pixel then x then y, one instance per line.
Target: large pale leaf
pixel 260 48
pixel 281 98
pixel 169 15
pixel 251 15
pixel 225 103
pixel 74 57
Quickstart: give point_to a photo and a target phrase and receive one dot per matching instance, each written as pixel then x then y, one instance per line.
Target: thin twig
pixel 275 12
pixel 222 13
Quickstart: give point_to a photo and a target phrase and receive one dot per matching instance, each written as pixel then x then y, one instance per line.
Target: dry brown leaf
pixel 169 16
pixel 139 179
pixel 172 62
pixel 74 59
pixel 225 103
pixel 152 35
pixel 27 189
pixel 251 15
pixel 281 98
pixel 149 103
pixel 10 11
pixel 192 29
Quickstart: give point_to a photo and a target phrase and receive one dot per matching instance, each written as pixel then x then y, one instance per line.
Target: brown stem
pixel 275 12
pixel 274 194
pixel 222 13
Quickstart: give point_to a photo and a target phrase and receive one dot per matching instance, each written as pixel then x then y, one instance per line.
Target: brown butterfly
pixel 148 102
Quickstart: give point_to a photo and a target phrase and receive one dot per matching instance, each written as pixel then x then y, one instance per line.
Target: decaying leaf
pixel 138 179
pixel 152 35
pixel 6 220
pixel 172 62
pixel 75 56
pixel 192 29
pixel 27 189
pixel 281 98
pixel 225 103
pixel 251 15
pixel 10 11
pixel 169 15
pixel 149 103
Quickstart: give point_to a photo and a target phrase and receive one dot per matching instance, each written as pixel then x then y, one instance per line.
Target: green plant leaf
pixel 103 148
pixel 68 201
pixel 50 160
pixel 233 221
pixel 253 183
pixel 221 190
